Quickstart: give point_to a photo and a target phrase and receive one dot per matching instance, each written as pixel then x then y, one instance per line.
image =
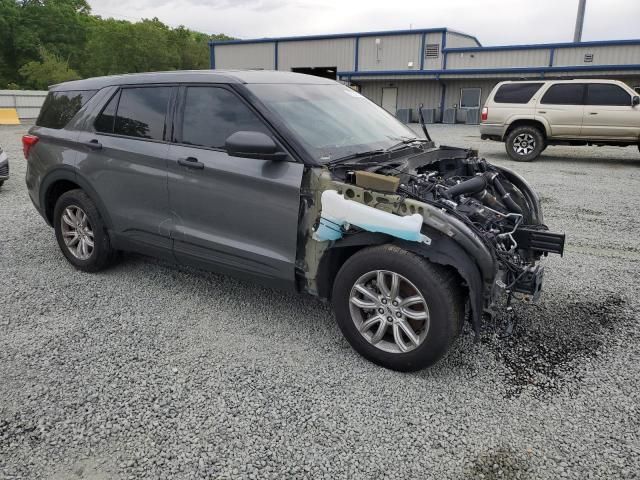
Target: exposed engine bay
pixel 485 209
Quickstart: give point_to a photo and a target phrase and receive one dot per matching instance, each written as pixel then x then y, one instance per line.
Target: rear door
pixel 562 106
pixel 236 215
pixel 125 160
pixel 609 113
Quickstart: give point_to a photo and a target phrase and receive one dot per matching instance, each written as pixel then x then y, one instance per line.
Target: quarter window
pixel 211 114
pixel 607 94
pixel 104 122
pixel 516 92
pixel 60 107
pixel 564 94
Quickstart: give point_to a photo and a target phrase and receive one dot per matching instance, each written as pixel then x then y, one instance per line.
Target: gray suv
pixel 297 182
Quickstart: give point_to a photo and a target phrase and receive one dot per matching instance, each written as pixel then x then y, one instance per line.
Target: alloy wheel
pixel 77 232
pixel 524 144
pixel 389 311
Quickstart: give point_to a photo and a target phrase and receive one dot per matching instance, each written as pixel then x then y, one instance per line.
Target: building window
pixel 588 58
pixel 470 97
pixel 432 50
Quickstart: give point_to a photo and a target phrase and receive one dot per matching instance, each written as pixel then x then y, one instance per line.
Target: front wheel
pixel 396 309
pixel 525 143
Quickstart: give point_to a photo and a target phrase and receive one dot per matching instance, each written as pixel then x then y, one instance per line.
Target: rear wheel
pixel 396 309
pixel 525 143
pixel 81 233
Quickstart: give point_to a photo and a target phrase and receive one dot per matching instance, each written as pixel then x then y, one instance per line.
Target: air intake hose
pixel 473 185
pixel 492 177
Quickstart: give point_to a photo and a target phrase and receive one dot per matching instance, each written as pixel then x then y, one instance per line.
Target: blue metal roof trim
pixel 384 33
pixel 542 46
pixel 476 71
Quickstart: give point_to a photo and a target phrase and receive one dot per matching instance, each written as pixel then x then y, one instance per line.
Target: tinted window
pixel 516 92
pixel 607 94
pixel 141 112
pixel 564 94
pixel 106 119
pixel 60 107
pixel 212 114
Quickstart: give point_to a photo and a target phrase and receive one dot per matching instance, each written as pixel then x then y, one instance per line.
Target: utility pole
pixel 577 35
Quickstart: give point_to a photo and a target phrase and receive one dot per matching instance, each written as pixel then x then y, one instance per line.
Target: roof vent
pixel 588 57
pixel 432 50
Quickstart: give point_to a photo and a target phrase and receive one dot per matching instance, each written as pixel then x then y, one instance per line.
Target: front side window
pixel 564 94
pixel 516 92
pixel 331 120
pixel 136 112
pixel 60 107
pixel 607 94
pixel 211 114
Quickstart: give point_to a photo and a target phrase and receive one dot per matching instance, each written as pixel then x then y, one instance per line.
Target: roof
pixel 193 76
pixel 330 36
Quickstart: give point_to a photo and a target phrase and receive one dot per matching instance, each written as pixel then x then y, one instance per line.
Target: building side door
pixel 390 99
pixel 562 106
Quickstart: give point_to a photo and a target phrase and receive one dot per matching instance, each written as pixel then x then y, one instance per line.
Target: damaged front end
pixel 445 204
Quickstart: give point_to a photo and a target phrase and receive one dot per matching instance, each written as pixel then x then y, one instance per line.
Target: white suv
pixel 530 115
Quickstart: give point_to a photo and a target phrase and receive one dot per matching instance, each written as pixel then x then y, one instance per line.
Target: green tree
pixel 76 42
pixel 51 69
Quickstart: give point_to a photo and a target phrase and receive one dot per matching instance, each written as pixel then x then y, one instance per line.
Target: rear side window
pixel 60 107
pixel 564 94
pixel 516 92
pixel 138 112
pixel 211 114
pixel 607 94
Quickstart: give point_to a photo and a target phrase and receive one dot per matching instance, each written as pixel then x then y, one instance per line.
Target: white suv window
pixel 607 94
pixel 564 94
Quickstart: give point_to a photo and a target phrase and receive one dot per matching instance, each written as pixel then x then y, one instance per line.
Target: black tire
pixel 102 254
pixel 1 182
pixel 527 133
pixel 438 285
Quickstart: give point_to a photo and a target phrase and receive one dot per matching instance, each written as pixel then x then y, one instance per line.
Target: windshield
pixel 332 121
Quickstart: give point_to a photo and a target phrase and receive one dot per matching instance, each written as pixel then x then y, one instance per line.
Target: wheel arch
pixel 443 251
pixel 62 180
pixel 530 122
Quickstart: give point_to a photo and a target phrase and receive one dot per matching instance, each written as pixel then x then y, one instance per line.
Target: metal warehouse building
pixel 445 70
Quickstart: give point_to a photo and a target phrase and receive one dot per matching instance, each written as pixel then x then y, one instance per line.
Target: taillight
pixel 28 141
pixel 485 114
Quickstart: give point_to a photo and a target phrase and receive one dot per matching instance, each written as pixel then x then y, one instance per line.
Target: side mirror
pixel 253 145
pixel 635 100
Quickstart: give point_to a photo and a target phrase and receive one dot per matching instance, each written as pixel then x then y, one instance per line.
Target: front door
pixel 235 215
pixel 608 113
pixel 390 99
pixel 562 106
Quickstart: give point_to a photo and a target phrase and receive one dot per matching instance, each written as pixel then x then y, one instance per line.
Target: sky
pixel 493 22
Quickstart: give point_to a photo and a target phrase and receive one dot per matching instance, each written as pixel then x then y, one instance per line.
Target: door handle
pixel 93 144
pixel 191 162
pixel 593 113
pixel 542 111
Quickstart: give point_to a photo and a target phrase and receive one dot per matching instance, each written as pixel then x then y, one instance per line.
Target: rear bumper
pixel 4 166
pixel 490 131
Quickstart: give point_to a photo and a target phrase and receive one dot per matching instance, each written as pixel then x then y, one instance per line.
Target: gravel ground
pixel 153 371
